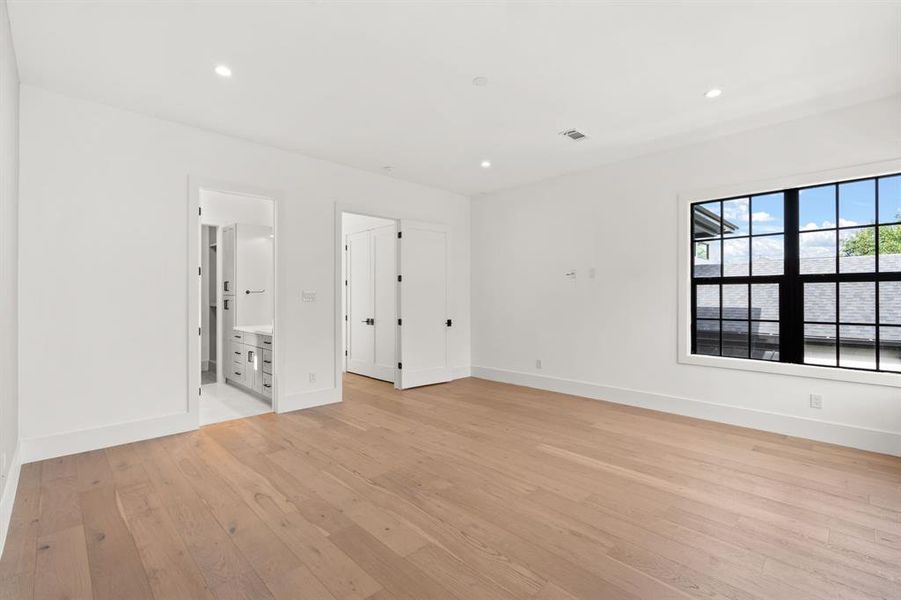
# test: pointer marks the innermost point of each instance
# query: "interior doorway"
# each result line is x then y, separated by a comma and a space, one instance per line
236, 305
395, 299
370, 296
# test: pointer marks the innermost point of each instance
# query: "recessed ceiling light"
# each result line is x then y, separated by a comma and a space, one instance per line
486, 164
223, 71
713, 93
480, 81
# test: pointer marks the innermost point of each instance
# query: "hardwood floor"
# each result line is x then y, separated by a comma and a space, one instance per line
471, 490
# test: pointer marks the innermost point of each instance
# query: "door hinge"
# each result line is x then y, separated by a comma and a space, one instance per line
345, 246
449, 323
345, 282
400, 321
199, 271
345, 317
200, 391
199, 331
399, 235
345, 353
400, 278
400, 365
199, 210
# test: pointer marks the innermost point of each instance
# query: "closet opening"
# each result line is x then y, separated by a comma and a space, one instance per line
369, 297
236, 279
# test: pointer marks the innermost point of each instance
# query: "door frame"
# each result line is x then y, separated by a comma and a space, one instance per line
195, 186
340, 309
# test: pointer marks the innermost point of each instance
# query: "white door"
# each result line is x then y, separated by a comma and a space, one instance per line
424, 251
360, 334
384, 295
371, 305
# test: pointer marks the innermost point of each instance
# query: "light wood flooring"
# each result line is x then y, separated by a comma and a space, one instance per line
471, 490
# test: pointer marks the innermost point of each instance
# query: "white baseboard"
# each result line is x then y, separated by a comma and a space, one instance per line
461, 372
875, 440
72, 442
8, 495
312, 399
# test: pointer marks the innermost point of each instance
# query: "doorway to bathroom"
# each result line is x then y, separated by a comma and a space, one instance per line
236, 304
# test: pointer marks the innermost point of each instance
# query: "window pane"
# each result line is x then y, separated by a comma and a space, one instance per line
764, 340
858, 347
707, 337
735, 301
765, 301
890, 248
857, 302
816, 208
817, 252
819, 302
708, 301
736, 217
890, 302
735, 257
707, 220
890, 199
857, 203
707, 259
857, 250
768, 214
819, 344
735, 339
890, 349
767, 255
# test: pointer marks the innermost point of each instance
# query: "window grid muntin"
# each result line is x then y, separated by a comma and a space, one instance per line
791, 203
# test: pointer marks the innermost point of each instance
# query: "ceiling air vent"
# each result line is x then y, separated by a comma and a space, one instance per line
574, 134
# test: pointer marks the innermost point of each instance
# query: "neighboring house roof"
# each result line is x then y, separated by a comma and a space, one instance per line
857, 302
707, 223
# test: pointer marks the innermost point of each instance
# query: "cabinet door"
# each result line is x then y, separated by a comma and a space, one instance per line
228, 260
254, 378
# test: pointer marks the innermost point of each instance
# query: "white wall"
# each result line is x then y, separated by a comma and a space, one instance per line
9, 261
615, 336
103, 255
226, 209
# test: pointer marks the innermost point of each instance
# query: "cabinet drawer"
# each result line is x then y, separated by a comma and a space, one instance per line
265, 342
237, 336
237, 353
267, 385
267, 361
251, 339
237, 373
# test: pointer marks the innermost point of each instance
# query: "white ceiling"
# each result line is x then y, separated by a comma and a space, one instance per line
370, 84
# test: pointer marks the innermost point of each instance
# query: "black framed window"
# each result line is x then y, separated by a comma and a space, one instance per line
808, 275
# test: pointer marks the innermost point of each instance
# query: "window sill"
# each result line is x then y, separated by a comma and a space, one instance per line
809, 371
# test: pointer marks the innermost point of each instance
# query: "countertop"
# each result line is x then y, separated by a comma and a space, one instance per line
257, 329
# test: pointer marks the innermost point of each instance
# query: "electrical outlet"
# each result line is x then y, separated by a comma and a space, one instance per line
312, 377
816, 401
538, 364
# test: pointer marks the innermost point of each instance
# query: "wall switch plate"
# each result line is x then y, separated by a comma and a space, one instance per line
816, 401
308, 296
538, 364
312, 377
